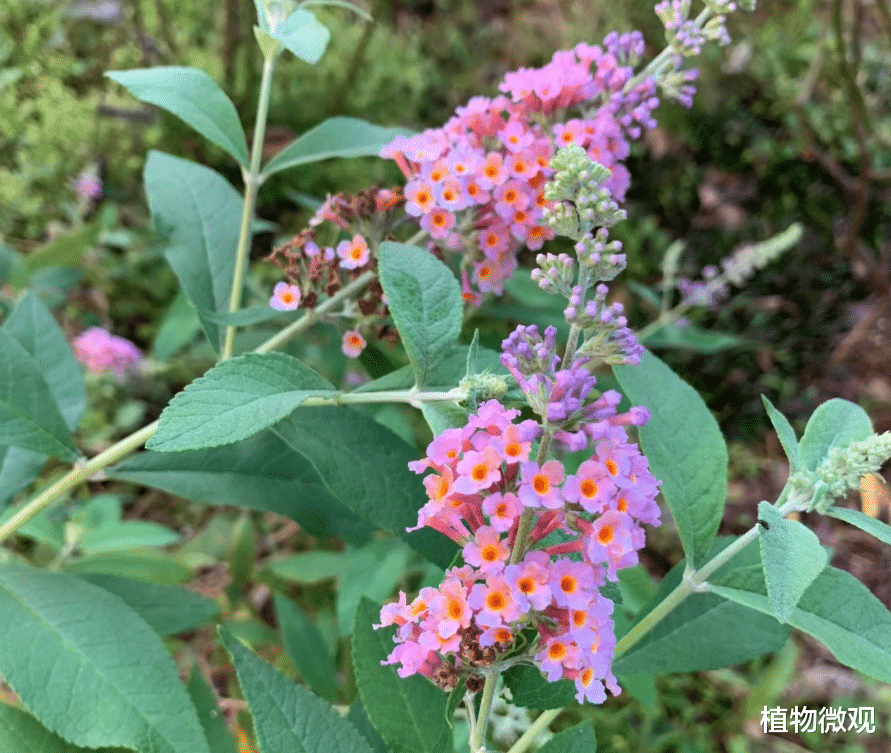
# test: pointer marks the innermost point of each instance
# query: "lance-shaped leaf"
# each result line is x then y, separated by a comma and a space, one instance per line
288, 718
693, 636
365, 467
213, 722
784, 431
260, 473
837, 610
235, 400
192, 96
335, 137
29, 415
835, 423
18, 468
425, 300
792, 556
876, 528
307, 648
102, 681
685, 449
578, 739
303, 35
409, 713
22, 733
32, 324
198, 212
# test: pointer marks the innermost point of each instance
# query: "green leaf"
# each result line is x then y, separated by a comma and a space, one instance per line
685, 449
873, 527
122, 535
792, 556
178, 327
371, 572
29, 415
335, 137
578, 739
32, 324
692, 338
288, 718
141, 564
167, 609
443, 415
456, 698
105, 680
425, 300
309, 567
835, 423
66, 250
785, 432
339, 4
209, 714
245, 317
530, 689
360, 719
18, 468
198, 212
361, 464
192, 96
307, 648
408, 712
303, 35
260, 473
235, 400
694, 635
837, 610
22, 733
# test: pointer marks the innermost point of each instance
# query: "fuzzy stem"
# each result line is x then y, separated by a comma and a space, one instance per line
251, 186
542, 722
478, 739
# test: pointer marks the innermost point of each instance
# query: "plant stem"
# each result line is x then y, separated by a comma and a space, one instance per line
313, 315
75, 476
478, 739
251, 186
542, 722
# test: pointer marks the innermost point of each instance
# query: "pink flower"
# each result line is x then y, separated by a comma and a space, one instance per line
528, 581
285, 297
540, 484
479, 470
354, 253
558, 654
449, 609
353, 343
592, 487
493, 602
612, 540
487, 551
418, 197
99, 351
502, 509
572, 583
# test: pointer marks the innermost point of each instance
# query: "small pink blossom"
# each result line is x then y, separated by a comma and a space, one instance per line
353, 343
285, 297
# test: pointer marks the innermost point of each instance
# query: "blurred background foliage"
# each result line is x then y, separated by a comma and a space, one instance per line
790, 123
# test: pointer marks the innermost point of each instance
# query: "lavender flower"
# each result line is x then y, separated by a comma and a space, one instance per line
99, 351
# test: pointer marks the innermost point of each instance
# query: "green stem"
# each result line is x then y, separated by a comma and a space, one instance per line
478, 739
542, 722
412, 397
251, 186
525, 524
75, 476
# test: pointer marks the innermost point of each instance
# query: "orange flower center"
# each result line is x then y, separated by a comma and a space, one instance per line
568, 584
455, 609
503, 635
495, 602
489, 553
588, 488
556, 651
578, 618
439, 219
501, 510
586, 676
356, 253
479, 472
605, 535
510, 196
541, 484
526, 585
513, 450
622, 504
418, 608
612, 467
287, 297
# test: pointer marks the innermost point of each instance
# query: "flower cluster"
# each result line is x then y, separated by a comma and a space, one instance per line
477, 183
580, 528
99, 351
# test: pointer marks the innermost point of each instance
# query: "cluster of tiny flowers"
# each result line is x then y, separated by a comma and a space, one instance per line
483, 482
844, 467
99, 351
477, 183
88, 186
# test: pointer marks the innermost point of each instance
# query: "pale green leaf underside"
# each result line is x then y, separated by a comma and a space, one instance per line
876, 528
784, 431
835, 423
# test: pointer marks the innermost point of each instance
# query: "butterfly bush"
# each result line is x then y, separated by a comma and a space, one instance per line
100, 351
